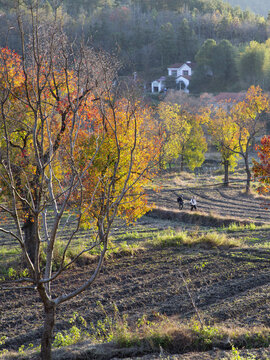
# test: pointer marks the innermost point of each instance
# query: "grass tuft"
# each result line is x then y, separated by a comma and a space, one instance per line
240, 227
207, 240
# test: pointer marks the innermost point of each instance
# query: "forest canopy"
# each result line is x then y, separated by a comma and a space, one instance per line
148, 36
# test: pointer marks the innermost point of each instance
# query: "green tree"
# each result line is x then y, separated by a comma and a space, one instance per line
224, 65
196, 146
216, 67
186, 41
184, 138
203, 72
167, 44
252, 63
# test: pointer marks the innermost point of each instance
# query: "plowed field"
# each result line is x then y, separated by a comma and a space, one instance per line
230, 287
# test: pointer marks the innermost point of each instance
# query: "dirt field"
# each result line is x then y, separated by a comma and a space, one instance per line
230, 287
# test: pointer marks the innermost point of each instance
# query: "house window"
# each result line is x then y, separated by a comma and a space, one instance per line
174, 72
155, 89
185, 72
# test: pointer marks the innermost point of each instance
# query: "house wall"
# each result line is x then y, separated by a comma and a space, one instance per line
157, 85
180, 71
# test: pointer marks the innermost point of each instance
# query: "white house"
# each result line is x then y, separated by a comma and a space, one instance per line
158, 85
181, 72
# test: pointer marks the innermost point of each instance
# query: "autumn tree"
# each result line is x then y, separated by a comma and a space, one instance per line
243, 121
248, 116
225, 137
261, 168
184, 137
68, 144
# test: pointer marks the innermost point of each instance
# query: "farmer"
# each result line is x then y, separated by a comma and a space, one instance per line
193, 203
180, 202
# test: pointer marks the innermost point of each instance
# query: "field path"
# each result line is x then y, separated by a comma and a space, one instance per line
230, 202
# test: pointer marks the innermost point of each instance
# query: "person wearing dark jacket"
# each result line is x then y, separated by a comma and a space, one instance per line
180, 201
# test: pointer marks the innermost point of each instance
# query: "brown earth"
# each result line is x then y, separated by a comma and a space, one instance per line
230, 287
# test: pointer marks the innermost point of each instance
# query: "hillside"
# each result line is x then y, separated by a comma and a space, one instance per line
261, 7
148, 36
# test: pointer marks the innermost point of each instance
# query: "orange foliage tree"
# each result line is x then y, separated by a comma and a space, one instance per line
261, 168
67, 145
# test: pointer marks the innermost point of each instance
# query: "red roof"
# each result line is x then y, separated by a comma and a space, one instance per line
178, 65
175, 66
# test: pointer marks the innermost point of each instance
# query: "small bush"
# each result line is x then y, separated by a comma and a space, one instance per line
205, 336
240, 227
74, 334
150, 334
214, 239
172, 336
209, 240
237, 356
124, 249
170, 238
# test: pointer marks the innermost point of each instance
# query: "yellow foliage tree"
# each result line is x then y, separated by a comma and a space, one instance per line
235, 126
248, 117
184, 136
225, 136
68, 144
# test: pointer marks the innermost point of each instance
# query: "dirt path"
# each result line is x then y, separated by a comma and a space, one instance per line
231, 202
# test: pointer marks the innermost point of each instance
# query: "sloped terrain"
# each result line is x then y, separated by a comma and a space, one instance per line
229, 286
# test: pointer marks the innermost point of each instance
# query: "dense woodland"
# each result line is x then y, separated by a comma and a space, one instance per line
228, 44
258, 6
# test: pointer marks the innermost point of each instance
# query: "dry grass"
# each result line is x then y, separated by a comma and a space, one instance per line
147, 337
176, 337
183, 178
199, 217
207, 240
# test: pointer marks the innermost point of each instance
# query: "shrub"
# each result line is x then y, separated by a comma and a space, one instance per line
210, 239
73, 335
239, 227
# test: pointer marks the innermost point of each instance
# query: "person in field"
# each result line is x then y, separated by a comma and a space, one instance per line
193, 203
180, 201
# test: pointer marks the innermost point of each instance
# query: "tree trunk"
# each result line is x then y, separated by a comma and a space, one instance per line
182, 163
29, 237
248, 175
226, 173
47, 335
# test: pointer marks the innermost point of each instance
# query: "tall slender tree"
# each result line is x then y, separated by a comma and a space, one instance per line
67, 144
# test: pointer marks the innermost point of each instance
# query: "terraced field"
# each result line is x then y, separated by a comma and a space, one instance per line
213, 198
231, 287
